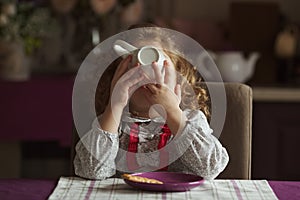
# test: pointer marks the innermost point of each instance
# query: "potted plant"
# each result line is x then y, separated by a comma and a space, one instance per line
23, 25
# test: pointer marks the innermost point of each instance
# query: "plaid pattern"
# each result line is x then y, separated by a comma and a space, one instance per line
113, 189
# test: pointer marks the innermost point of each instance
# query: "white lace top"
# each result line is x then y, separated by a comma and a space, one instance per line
100, 154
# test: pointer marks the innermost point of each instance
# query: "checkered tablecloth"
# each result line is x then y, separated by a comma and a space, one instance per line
72, 188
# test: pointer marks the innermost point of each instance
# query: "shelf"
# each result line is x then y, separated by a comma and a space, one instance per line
276, 94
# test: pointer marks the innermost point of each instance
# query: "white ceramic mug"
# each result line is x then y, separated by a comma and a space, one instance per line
145, 56
148, 54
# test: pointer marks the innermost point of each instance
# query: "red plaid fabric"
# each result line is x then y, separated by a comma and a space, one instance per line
133, 147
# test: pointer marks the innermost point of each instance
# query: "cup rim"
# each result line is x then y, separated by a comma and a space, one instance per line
149, 47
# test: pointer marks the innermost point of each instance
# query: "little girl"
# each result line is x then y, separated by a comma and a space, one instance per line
165, 126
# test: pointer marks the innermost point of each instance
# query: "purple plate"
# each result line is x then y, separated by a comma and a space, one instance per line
172, 181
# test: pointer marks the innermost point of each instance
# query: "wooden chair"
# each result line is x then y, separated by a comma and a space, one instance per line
236, 135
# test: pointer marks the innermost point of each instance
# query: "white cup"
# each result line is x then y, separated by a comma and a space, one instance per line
146, 56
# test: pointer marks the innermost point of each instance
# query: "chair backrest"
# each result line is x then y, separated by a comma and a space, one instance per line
236, 135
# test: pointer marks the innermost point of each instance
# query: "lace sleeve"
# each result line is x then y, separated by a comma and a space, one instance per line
96, 153
205, 155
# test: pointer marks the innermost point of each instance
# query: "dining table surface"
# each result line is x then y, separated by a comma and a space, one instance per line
38, 189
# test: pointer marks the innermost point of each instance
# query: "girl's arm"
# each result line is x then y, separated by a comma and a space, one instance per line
122, 84
97, 150
200, 152
111, 118
205, 155
96, 153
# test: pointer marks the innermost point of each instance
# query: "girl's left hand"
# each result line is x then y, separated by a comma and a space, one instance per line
166, 91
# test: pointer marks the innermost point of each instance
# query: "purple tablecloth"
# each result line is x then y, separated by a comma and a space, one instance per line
24, 189
39, 109
21, 189
289, 190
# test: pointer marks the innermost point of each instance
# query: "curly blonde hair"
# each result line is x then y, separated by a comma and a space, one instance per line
194, 91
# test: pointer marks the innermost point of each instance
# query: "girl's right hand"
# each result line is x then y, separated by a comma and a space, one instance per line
124, 83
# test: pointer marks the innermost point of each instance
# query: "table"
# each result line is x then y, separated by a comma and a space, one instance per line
26, 189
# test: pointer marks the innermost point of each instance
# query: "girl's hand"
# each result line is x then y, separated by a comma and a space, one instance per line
124, 83
165, 92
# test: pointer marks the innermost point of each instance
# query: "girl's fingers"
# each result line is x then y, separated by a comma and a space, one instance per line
167, 72
123, 66
170, 75
132, 73
157, 73
133, 79
133, 84
147, 79
152, 88
178, 91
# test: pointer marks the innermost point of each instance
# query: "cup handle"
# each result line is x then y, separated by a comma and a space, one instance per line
123, 48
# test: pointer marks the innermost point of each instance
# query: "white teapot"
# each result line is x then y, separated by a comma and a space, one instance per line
234, 67
145, 55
